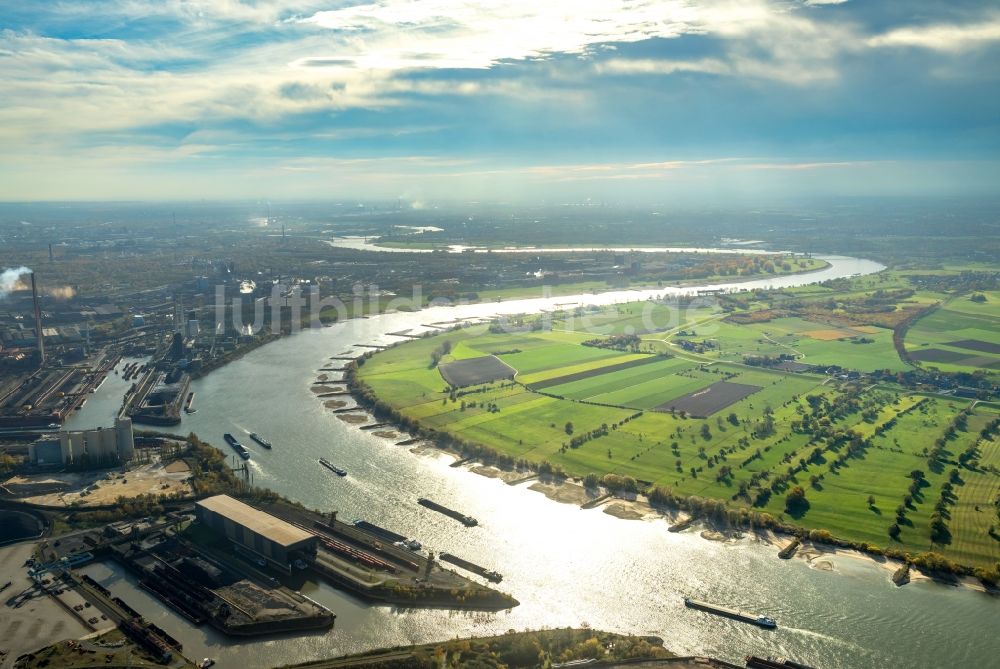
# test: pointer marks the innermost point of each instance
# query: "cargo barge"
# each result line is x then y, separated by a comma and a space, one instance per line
388, 535
754, 662
742, 616
332, 467
260, 440
468, 521
489, 575
237, 446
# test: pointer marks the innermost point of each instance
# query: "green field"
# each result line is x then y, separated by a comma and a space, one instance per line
841, 441
862, 350
956, 320
635, 318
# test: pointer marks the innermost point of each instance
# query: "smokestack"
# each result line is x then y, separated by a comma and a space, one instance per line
50, 253
282, 232
38, 321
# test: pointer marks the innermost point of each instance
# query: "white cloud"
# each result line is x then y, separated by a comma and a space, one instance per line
758, 39
456, 34
84, 102
662, 66
609, 171
941, 37
351, 57
763, 38
791, 72
810, 166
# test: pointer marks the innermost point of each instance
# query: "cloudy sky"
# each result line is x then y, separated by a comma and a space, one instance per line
498, 99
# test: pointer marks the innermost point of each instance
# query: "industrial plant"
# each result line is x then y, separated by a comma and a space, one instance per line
100, 447
278, 543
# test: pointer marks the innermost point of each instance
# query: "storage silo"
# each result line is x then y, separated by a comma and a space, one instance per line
125, 439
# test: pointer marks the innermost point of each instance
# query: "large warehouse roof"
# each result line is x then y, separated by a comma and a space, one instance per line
264, 524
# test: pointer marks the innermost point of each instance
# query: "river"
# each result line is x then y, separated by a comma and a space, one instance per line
358, 243
567, 566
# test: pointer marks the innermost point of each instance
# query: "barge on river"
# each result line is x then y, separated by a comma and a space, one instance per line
237, 446
761, 621
468, 521
393, 537
260, 440
332, 467
488, 574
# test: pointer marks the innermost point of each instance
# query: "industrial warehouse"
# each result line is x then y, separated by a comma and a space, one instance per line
271, 539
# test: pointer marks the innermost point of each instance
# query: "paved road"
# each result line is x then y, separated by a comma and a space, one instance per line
38, 621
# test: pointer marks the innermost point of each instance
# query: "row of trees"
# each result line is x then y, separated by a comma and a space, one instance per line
443, 349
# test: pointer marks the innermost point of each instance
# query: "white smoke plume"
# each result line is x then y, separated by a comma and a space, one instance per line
10, 279
60, 292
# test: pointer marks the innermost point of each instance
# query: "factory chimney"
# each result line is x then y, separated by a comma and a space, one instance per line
38, 321
50, 253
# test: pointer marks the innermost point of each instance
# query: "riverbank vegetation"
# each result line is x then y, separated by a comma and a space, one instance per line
826, 439
513, 650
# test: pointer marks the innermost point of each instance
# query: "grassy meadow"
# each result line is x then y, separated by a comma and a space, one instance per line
958, 320
852, 446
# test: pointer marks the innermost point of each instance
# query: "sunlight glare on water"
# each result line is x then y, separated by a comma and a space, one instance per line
565, 565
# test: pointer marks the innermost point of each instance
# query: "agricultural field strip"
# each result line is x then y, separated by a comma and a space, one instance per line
587, 388
555, 356
670, 333
579, 367
626, 365
798, 354
709, 401
976, 345
652, 393
938, 355
946, 320
487, 344
470, 418
435, 407
475, 371
458, 421
933, 338
990, 454
971, 525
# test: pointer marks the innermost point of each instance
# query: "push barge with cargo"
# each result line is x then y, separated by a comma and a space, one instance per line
468, 521
332, 467
260, 440
761, 621
395, 538
489, 575
237, 446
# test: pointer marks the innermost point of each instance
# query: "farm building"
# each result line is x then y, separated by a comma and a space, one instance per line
267, 538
